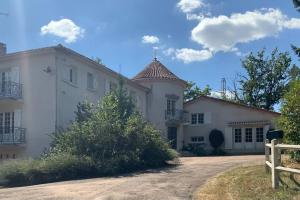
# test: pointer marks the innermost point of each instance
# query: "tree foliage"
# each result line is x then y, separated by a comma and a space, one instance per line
115, 137
289, 121
84, 111
266, 79
192, 91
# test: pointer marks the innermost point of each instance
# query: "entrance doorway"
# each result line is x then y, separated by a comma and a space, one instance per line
172, 136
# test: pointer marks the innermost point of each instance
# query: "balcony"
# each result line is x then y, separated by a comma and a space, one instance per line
176, 116
12, 135
10, 90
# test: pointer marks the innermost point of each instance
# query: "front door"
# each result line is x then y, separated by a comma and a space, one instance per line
172, 136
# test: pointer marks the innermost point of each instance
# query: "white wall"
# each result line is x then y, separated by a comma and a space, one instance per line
157, 104
70, 94
38, 103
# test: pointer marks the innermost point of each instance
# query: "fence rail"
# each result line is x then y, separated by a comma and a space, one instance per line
275, 163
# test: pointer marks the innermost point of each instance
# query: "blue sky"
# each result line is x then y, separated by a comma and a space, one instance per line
199, 40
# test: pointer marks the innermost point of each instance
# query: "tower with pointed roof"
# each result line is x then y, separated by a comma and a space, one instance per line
164, 101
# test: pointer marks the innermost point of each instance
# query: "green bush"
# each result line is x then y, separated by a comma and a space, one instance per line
53, 168
196, 149
216, 138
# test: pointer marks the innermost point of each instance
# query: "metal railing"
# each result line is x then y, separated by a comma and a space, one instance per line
275, 163
10, 135
10, 89
181, 116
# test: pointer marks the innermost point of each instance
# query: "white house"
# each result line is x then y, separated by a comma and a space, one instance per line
40, 88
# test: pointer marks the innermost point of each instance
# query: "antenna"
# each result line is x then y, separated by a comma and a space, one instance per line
223, 87
155, 53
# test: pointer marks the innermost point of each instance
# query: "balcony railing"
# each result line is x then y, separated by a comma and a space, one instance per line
10, 90
10, 135
180, 116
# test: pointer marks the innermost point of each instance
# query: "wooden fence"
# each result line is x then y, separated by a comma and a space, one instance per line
275, 163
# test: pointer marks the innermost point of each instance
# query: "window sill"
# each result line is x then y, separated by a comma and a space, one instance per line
91, 89
197, 124
71, 84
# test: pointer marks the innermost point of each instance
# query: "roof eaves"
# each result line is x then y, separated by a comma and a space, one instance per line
230, 102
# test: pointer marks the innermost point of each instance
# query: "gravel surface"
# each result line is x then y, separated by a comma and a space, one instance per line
171, 183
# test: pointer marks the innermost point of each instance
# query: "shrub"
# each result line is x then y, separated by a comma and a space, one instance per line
289, 120
216, 138
53, 168
196, 149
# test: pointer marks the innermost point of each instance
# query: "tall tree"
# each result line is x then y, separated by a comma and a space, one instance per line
192, 91
295, 70
266, 79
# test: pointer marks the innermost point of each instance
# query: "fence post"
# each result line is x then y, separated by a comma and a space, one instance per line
267, 155
274, 161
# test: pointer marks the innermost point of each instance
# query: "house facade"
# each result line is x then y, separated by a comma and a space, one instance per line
40, 88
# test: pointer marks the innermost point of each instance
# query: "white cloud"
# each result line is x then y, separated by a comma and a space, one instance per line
191, 55
222, 33
188, 6
64, 28
218, 94
169, 51
150, 39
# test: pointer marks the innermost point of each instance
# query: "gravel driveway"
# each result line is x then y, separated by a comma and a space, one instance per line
172, 183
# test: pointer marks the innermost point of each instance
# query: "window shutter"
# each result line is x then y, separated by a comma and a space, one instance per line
107, 86
95, 82
207, 118
17, 119
15, 74
228, 138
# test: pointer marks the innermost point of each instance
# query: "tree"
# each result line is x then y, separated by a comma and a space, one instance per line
84, 111
297, 4
266, 79
295, 71
115, 137
192, 91
289, 121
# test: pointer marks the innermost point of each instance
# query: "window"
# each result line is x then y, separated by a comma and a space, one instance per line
200, 118
197, 139
90, 81
72, 75
112, 86
248, 134
237, 135
194, 119
7, 122
171, 106
197, 118
259, 134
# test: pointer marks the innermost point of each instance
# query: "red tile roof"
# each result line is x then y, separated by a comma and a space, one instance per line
156, 70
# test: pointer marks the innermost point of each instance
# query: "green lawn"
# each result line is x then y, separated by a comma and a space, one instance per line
248, 183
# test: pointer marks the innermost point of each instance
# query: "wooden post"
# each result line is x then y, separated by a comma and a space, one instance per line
274, 162
279, 153
267, 155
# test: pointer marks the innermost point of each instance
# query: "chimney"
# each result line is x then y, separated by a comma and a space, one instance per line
2, 49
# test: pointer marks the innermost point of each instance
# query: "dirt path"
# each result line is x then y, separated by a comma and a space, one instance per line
173, 183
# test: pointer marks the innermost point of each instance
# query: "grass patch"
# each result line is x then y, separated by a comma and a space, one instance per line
248, 183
